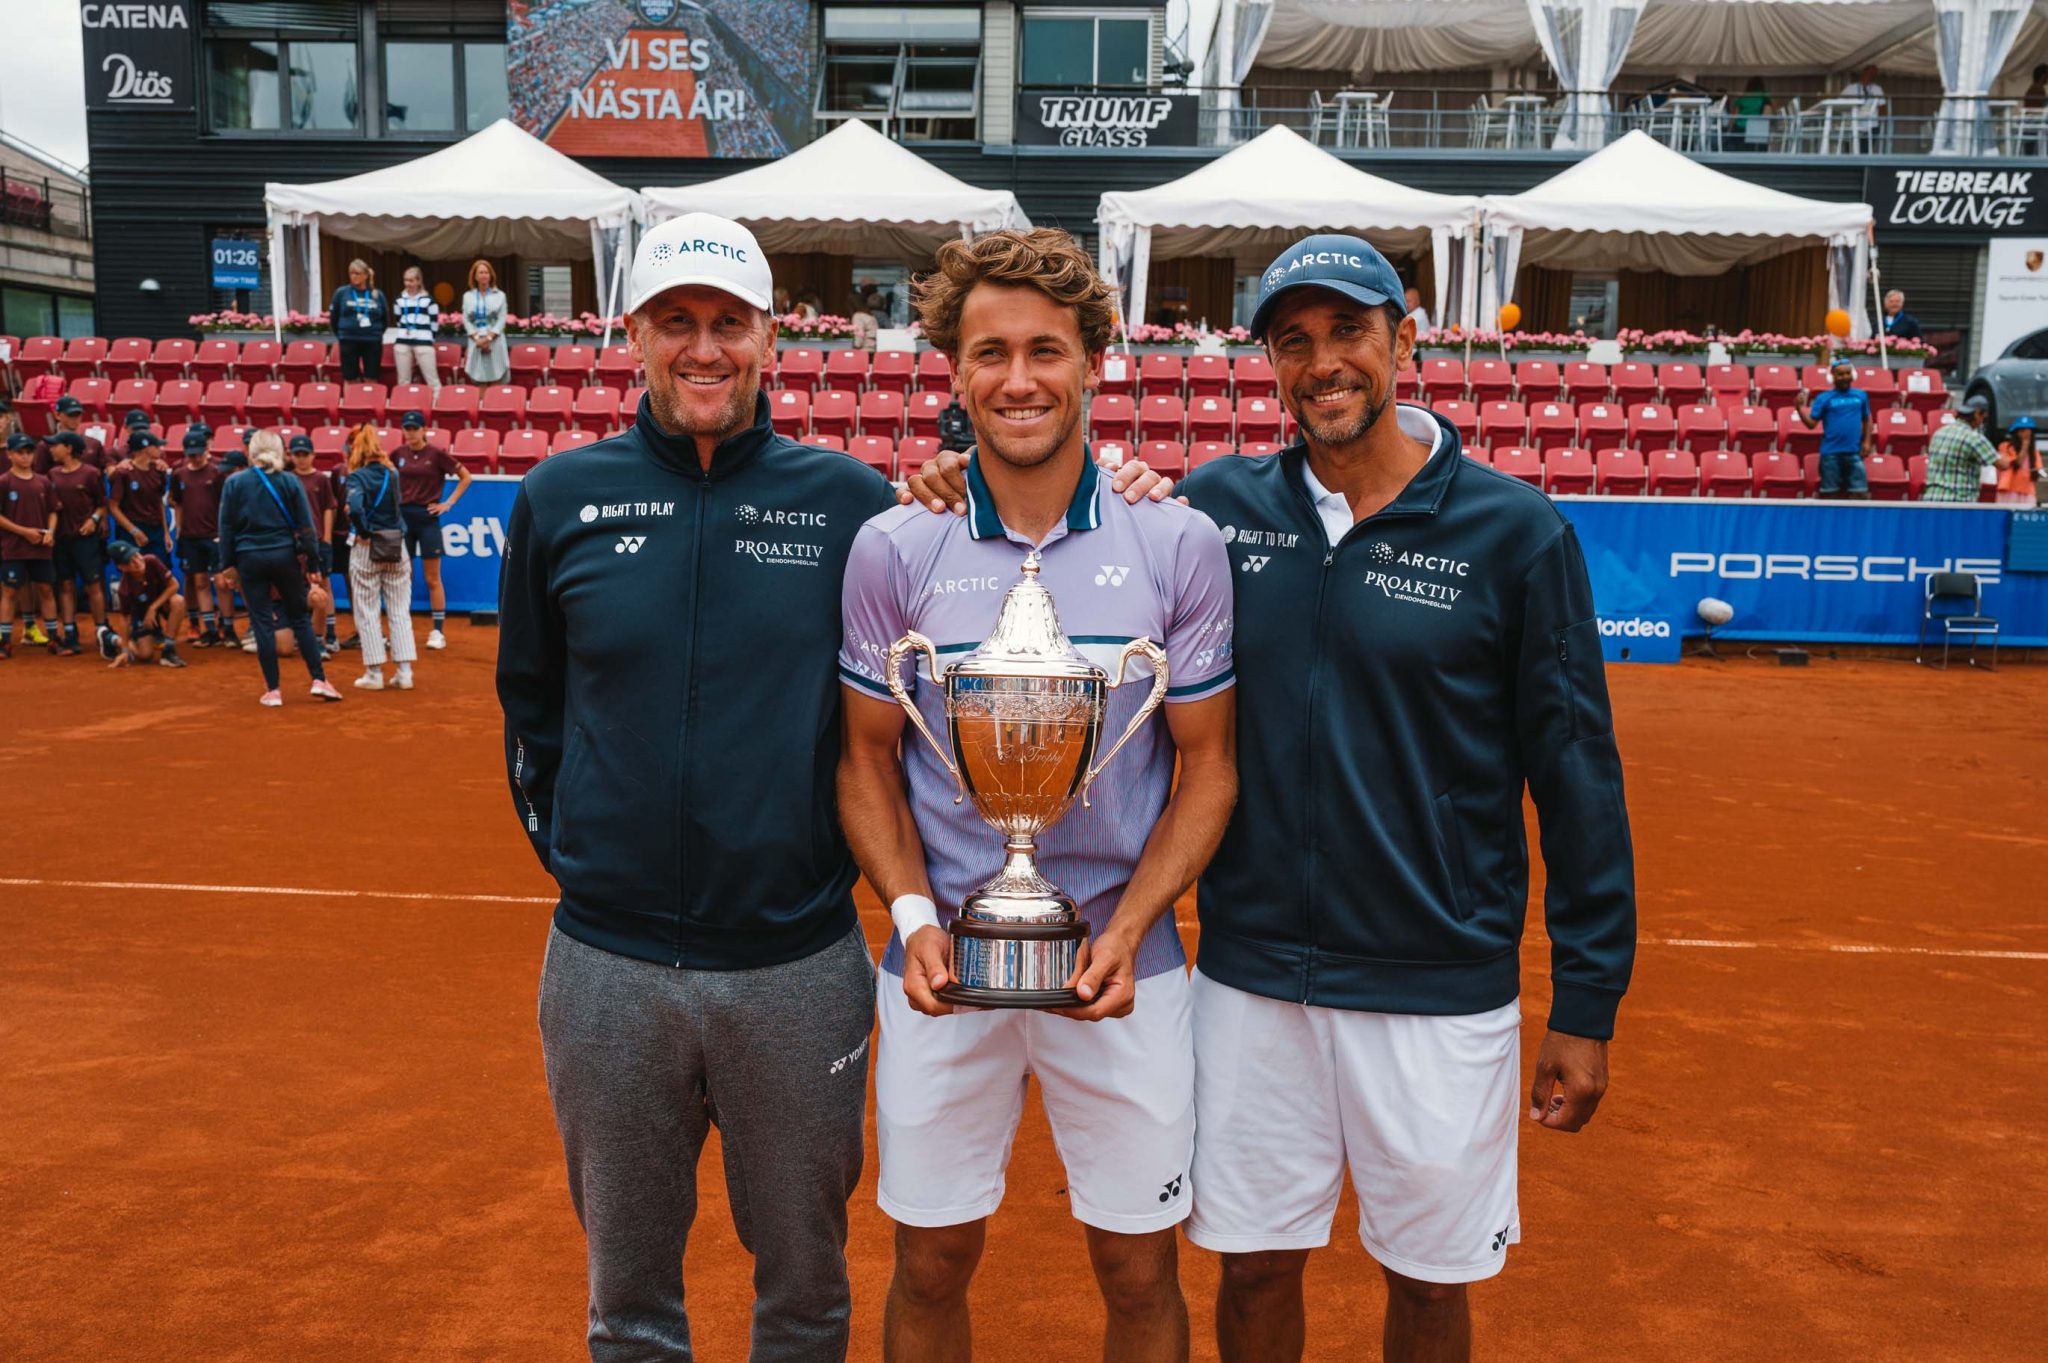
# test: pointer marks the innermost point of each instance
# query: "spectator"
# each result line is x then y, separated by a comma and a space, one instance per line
379, 569
864, 323
1958, 455
423, 472
1413, 298
1847, 428
782, 303
807, 306
1753, 110
483, 318
146, 597
1864, 122
28, 536
1898, 323
419, 316
2019, 465
266, 534
81, 547
359, 312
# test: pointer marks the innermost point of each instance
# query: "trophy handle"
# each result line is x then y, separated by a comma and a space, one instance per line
1157, 656
913, 642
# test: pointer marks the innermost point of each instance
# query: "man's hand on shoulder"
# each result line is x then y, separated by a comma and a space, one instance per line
1571, 1077
941, 484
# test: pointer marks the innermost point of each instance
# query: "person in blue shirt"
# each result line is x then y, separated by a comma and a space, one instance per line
1846, 430
359, 312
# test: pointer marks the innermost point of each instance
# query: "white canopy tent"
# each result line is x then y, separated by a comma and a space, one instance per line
1638, 205
500, 191
1258, 199
852, 190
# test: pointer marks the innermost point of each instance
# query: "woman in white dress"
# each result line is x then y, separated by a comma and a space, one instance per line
483, 318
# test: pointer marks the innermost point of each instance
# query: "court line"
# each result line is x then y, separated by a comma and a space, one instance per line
426, 896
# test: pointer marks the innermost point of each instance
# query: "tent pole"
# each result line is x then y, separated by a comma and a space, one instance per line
1884, 346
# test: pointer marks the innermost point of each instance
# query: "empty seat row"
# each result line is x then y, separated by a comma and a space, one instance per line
1247, 420
1645, 425
1676, 382
501, 407
1623, 471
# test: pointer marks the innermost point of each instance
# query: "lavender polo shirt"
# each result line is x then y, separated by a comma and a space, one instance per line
1117, 572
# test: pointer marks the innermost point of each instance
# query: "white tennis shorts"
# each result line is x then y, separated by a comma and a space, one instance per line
1423, 1110
1119, 1094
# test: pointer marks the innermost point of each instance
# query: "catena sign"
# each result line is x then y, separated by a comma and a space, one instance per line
138, 54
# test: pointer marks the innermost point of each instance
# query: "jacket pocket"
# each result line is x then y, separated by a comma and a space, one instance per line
565, 791
609, 793
1582, 679
1450, 842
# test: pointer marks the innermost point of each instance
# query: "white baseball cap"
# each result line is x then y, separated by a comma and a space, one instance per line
700, 248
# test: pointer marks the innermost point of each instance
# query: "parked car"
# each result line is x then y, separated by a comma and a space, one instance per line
2016, 383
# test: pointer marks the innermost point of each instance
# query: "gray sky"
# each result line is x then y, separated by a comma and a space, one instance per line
42, 76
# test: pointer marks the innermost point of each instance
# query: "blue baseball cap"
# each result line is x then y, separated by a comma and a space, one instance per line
2025, 423
69, 406
413, 418
1343, 264
300, 444
195, 441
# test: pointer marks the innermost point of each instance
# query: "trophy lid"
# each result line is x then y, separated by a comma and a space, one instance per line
1027, 640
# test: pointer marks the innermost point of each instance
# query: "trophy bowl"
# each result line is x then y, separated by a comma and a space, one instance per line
1024, 716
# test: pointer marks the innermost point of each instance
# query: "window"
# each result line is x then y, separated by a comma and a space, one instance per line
1596, 299
916, 69
283, 65
242, 83
485, 98
1070, 48
551, 288
26, 312
427, 84
324, 95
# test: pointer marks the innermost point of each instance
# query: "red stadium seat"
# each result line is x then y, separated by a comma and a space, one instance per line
1878, 384
38, 355
1119, 376
1730, 384
570, 366
362, 402
93, 393
833, 412
1110, 454
1701, 426
1490, 380
1900, 431
616, 368
269, 403
1816, 378
127, 358
1520, 461
881, 414
1602, 425
1538, 381
595, 408
1775, 384
1674, 473
447, 359
1440, 379
1464, 416
629, 405
1259, 421
178, 400
1162, 416
1724, 473
233, 436
1112, 416
1169, 457
1251, 376
547, 409
912, 452
529, 362
1552, 424
1795, 435
401, 398
565, 440
1210, 417
1585, 381
454, 407
801, 368
1255, 449
1568, 472
316, 403
1889, 481
330, 443
1478, 454
225, 402
1634, 382
259, 360
1208, 377
502, 407
304, 362
1923, 390
846, 370
215, 360
476, 449
1651, 426
894, 370
1160, 375
390, 437
1809, 466
826, 442
789, 411
1751, 429
169, 357
1202, 451
878, 452
922, 411
1681, 383
1776, 473
1502, 423
82, 356
132, 393
519, 451
1916, 477
934, 371
1621, 473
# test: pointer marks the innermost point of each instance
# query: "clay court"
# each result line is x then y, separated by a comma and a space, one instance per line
274, 1084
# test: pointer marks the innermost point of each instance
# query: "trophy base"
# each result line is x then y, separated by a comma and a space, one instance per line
1013, 964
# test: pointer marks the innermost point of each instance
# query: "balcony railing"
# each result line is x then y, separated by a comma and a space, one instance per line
43, 205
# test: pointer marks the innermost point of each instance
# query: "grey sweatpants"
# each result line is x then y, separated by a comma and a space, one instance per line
641, 1058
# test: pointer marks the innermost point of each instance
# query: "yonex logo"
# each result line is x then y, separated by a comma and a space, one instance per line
629, 544
1381, 552
1500, 1239
1254, 563
587, 514
1171, 1187
747, 513
1112, 575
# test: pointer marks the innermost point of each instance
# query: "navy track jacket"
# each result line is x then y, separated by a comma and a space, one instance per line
1395, 693
668, 667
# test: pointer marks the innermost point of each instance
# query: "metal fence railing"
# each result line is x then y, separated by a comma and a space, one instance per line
44, 205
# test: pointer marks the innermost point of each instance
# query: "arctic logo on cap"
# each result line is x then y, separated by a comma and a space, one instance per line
664, 251
1275, 275
1321, 258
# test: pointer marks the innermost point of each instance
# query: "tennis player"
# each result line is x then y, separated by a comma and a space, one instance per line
1025, 318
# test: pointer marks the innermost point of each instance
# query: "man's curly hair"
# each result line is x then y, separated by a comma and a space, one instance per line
1044, 258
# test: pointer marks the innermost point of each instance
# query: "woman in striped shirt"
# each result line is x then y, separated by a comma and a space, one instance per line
418, 317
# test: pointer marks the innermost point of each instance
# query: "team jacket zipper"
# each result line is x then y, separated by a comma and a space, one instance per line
519, 780
689, 715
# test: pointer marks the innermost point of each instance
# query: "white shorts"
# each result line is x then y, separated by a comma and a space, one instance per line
1422, 1109
1119, 1094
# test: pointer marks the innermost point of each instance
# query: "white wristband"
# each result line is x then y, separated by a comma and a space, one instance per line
910, 912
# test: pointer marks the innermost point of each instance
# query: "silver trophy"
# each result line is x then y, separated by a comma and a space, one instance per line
1024, 712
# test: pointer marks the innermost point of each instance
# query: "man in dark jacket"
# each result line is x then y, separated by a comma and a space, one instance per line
667, 666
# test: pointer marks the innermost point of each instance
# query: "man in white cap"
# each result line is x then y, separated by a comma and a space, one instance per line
668, 670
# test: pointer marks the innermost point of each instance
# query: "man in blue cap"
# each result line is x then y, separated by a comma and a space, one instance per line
1416, 643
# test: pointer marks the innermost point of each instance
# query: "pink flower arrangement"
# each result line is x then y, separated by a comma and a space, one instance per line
302, 323
1184, 333
1451, 338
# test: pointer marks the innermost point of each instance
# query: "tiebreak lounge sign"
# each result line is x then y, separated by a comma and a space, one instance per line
1998, 203
138, 54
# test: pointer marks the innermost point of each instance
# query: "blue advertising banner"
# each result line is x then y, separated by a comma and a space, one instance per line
1822, 572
